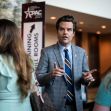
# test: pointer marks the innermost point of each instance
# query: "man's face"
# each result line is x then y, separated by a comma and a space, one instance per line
65, 33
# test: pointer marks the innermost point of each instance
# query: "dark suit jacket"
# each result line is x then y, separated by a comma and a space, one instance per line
56, 87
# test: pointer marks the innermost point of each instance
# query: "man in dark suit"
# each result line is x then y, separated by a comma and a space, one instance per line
51, 70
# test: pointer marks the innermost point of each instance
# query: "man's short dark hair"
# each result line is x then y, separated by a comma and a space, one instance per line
66, 18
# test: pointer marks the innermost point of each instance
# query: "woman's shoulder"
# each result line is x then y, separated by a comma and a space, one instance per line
107, 80
6, 65
6, 58
103, 96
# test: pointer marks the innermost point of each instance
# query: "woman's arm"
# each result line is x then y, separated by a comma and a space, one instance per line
98, 107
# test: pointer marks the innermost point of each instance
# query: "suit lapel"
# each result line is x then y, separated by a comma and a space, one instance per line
58, 55
59, 59
74, 59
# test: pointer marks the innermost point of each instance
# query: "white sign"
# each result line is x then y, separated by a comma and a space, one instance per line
32, 39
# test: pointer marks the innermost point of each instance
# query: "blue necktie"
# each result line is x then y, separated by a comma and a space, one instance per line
70, 91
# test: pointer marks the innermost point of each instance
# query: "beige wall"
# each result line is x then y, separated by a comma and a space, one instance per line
105, 53
85, 42
50, 35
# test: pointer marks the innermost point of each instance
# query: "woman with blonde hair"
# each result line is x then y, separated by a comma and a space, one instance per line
15, 69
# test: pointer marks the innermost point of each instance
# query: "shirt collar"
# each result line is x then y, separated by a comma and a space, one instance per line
62, 47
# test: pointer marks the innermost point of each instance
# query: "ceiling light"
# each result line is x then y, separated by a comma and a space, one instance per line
80, 30
81, 22
53, 18
103, 26
98, 32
